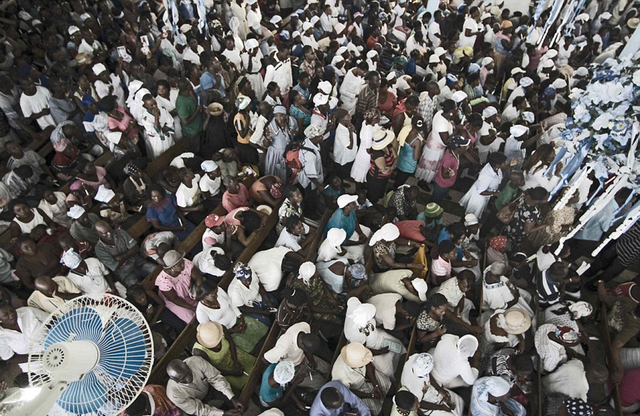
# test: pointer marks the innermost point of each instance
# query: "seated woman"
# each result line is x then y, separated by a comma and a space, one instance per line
360, 326
247, 223
455, 290
93, 176
236, 195
17, 327
341, 277
568, 314
497, 250
272, 265
345, 218
278, 385
292, 205
36, 260
326, 308
332, 192
402, 282
432, 397
441, 256
164, 215
65, 161
216, 232
331, 248
215, 344
383, 242
27, 219
90, 275
505, 329
177, 283
189, 197
554, 345
248, 295
296, 235
512, 366
267, 190
154, 309
500, 293
214, 305
213, 262
135, 187
452, 368
491, 396
431, 323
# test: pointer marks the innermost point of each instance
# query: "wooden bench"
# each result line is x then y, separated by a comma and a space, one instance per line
607, 346
274, 331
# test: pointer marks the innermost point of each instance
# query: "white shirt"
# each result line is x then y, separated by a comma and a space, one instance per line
233, 56
470, 24
33, 104
102, 89
187, 197
341, 153
204, 261
14, 342
93, 282
286, 347
241, 295
448, 364
227, 315
267, 265
291, 241
280, 72
150, 244
385, 304
350, 88
434, 29
210, 185
311, 165
211, 238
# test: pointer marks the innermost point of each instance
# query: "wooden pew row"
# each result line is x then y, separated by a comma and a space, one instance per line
607, 346
274, 332
103, 160
186, 338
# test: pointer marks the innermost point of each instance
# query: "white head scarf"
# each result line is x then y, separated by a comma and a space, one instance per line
71, 259
422, 365
467, 345
581, 309
306, 272
388, 232
497, 386
361, 313
284, 372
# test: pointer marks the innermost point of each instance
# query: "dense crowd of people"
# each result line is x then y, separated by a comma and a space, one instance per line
375, 183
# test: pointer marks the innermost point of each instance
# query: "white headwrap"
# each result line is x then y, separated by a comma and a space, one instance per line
388, 232
75, 212
306, 272
497, 386
284, 372
420, 285
71, 259
422, 365
581, 309
467, 345
361, 313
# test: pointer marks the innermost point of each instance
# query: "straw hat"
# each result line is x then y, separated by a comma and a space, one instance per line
209, 334
382, 138
356, 355
516, 321
215, 109
171, 258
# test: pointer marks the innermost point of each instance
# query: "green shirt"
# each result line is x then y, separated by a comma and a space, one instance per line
185, 106
506, 196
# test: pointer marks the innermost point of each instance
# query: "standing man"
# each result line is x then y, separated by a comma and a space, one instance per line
280, 72
190, 114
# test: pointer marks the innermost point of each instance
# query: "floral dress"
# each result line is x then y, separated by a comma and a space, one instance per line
379, 250
514, 231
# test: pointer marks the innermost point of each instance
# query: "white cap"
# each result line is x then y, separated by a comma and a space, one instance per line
548, 63
98, 69
325, 87
581, 72
314, 20
440, 51
209, 166
528, 116
346, 199
470, 219
320, 99
433, 59
306, 26
295, 34
185, 28
559, 84
73, 29
459, 96
526, 82
517, 70
339, 27
489, 112
251, 44
372, 54
518, 130
276, 19
75, 212
485, 16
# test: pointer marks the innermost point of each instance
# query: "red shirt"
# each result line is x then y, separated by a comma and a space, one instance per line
449, 160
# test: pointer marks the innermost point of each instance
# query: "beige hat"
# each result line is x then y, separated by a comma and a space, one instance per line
633, 22
171, 258
356, 355
215, 109
382, 138
209, 334
516, 321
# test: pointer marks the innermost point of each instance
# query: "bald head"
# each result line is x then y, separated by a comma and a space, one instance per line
45, 285
179, 372
104, 230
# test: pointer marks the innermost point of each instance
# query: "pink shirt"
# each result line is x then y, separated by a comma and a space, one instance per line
232, 201
448, 161
181, 285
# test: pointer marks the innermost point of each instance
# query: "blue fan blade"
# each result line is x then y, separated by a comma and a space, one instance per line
84, 396
122, 348
84, 322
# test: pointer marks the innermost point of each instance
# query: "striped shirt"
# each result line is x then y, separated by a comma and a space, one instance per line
628, 246
548, 289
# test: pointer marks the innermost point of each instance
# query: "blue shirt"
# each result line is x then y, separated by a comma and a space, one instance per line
267, 393
351, 401
339, 220
444, 235
208, 81
599, 224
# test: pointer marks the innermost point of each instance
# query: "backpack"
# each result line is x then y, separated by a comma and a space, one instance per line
292, 160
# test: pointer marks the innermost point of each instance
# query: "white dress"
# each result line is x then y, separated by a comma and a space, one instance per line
434, 148
488, 180
342, 155
362, 162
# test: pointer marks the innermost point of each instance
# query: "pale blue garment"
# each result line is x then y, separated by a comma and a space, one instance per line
335, 281
599, 224
480, 405
406, 162
274, 163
